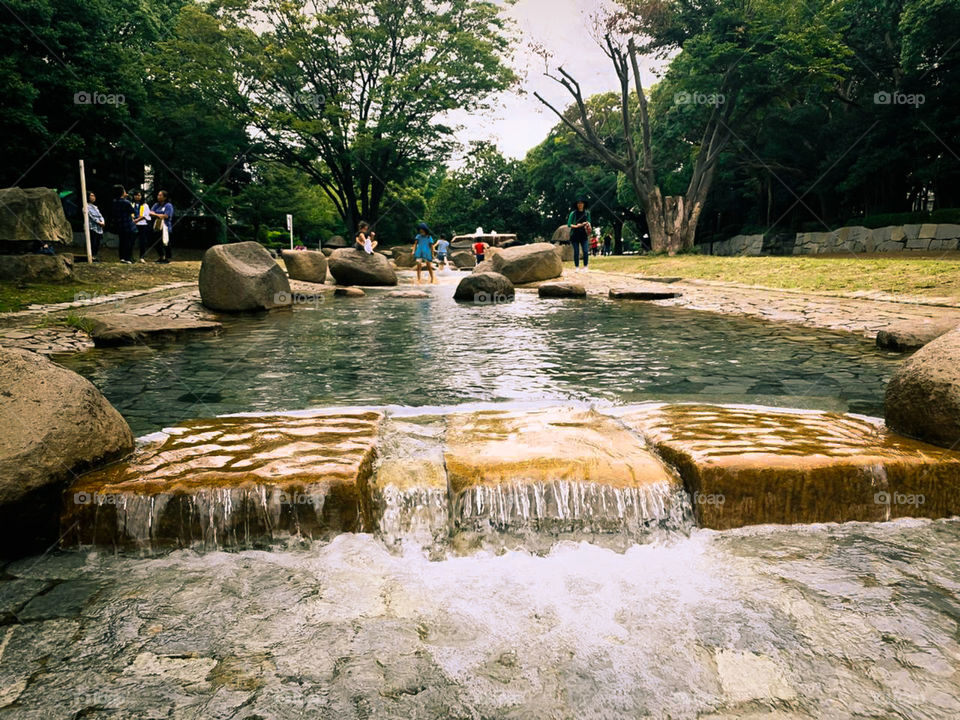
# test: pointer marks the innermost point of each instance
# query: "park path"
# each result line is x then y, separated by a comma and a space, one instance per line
40, 328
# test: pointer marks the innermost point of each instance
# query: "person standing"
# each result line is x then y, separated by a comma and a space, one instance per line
480, 249
442, 248
97, 224
594, 244
579, 223
162, 213
123, 215
423, 251
607, 244
142, 222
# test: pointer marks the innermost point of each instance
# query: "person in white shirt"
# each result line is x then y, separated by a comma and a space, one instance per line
142, 221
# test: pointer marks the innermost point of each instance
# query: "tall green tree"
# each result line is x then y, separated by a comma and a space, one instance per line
350, 92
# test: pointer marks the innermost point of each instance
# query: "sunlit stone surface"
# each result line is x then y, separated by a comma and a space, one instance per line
232, 480
560, 469
745, 466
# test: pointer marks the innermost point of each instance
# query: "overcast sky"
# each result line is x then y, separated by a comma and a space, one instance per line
564, 27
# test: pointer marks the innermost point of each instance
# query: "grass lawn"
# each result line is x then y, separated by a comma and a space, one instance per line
101, 279
933, 275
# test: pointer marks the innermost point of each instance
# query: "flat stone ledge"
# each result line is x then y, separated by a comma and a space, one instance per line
748, 466
126, 329
651, 293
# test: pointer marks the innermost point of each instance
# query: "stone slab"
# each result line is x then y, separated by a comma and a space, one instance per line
558, 468
129, 329
650, 293
748, 466
232, 481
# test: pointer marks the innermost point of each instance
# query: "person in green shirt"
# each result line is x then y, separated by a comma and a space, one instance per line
579, 223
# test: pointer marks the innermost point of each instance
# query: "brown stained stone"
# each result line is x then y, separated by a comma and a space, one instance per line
232, 480
552, 465
749, 466
349, 292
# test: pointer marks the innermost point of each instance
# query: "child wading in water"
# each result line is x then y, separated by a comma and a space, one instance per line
423, 251
365, 239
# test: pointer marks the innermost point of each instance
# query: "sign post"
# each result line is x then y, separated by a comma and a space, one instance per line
290, 228
86, 215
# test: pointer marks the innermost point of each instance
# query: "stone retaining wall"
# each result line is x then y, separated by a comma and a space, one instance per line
854, 239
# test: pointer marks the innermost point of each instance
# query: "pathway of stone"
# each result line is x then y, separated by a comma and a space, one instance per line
36, 329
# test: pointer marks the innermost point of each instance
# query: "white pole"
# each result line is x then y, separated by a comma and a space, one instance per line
86, 215
290, 228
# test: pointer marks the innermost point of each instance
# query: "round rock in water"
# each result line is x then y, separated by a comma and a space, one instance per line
349, 292
56, 424
923, 396
529, 263
306, 265
911, 334
485, 289
355, 267
242, 276
562, 290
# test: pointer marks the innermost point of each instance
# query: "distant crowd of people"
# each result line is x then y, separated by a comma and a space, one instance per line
426, 250
135, 223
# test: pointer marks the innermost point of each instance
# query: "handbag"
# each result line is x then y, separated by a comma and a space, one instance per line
158, 224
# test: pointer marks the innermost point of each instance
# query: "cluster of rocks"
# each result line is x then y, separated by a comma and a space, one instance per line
853, 239
33, 218
493, 280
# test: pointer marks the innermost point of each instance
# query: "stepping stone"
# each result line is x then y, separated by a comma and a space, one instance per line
559, 469
125, 329
349, 292
749, 466
656, 279
232, 481
906, 335
643, 294
562, 290
413, 294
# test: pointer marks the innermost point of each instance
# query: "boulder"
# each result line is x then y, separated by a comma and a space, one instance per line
923, 396
31, 217
403, 256
56, 424
349, 292
36, 268
485, 266
242, 276
355, 267
913, 334
463, 259
561, 235
561, 290
529, 263
337, 241
306, 265
327, 252
485, 289
126, 329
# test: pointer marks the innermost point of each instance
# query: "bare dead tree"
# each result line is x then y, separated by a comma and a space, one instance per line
672, 220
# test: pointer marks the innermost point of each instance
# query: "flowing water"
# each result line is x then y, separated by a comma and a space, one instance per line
851, 621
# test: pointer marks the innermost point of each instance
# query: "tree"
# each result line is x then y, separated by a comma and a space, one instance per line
489, 191
351, 93
733, 59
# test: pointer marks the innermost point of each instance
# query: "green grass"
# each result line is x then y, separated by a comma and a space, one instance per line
933, 275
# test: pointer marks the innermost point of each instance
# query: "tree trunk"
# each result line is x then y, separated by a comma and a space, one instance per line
617, 235
671, 221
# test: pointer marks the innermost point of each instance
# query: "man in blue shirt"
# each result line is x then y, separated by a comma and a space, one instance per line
162, 212
442, 247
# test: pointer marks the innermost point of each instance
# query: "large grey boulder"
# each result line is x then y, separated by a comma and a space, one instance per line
306, 265
561, 235
30, 217
907, 335
463, 258
923, 396
36, 268
355, 267
337, 241
56, 424
241, 277
403, 256
485, 289
529, 263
